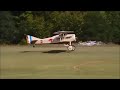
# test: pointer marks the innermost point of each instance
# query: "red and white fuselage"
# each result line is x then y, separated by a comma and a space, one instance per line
53, 39
61, 37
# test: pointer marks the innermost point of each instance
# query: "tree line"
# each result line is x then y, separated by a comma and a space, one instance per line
88, 25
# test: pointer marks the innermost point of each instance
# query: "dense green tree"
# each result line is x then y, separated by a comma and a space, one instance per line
88, 25
113, 20
8, 29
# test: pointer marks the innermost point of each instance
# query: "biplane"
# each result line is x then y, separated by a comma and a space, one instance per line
60, 37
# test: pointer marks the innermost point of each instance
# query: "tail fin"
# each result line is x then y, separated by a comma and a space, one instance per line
31, 39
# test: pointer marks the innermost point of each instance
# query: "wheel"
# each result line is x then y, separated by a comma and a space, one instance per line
71, 48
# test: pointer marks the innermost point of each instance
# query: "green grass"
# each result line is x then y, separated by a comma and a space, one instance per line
53, 62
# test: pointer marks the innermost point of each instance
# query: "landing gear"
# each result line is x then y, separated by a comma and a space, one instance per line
71, 47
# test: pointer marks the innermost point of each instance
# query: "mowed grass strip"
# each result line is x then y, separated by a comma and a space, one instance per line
55, 62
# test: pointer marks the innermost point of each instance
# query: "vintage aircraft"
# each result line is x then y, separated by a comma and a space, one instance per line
65, 37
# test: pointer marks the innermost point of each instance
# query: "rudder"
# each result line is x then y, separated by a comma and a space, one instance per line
29, 39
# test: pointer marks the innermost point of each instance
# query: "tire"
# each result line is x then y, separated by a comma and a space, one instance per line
71, 48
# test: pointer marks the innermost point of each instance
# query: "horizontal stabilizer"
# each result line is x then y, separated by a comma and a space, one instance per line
33, 42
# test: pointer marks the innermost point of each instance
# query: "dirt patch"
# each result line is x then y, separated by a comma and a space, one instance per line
77, 67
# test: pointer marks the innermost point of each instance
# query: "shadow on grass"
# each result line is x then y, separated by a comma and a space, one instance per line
51, 51
54, 51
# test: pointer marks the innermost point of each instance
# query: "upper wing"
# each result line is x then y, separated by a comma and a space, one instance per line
63, 32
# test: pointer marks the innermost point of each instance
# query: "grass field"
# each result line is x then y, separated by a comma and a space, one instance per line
54, 62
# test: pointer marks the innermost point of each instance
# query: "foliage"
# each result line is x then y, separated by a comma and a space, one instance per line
88, 25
